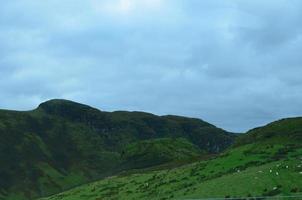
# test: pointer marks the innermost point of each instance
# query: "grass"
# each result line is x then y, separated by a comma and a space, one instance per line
148, 153
232, 174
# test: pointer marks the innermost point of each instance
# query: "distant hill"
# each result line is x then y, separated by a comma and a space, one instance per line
264, 162
62, 144
285, 130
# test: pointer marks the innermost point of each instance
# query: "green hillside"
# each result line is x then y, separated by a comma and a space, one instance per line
154, 152
62, 144
285, 130
266, 161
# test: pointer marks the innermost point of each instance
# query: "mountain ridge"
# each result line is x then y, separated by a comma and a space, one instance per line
62, 143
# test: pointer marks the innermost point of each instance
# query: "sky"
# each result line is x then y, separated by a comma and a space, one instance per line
234, 63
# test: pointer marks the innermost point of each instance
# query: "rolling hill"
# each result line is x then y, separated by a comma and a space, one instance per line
266, 161
63, 144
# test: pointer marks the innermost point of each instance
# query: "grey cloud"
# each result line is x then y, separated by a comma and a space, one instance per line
236, 64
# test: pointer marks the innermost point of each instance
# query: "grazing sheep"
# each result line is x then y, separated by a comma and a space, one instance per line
260, 171
277, 173
275, 188
270, 171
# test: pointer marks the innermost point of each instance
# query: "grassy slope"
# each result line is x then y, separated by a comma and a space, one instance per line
268, 165
229, 175
63, 144
148, 153
290, 129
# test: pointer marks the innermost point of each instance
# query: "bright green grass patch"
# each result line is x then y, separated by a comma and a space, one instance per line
233, 174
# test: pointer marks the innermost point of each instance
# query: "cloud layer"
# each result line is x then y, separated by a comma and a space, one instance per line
236, 64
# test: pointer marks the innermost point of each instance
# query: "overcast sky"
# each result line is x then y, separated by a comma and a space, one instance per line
234, 63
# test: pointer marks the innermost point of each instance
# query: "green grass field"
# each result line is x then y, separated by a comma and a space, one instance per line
262, 169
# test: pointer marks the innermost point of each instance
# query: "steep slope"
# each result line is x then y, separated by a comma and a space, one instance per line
62, 144
269, 164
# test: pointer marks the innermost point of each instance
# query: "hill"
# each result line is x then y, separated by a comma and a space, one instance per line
266, 161
62, 144
285, 130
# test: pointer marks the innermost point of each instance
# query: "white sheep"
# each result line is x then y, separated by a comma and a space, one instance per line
277, 173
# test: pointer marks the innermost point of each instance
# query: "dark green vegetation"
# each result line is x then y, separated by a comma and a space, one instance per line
154, 152
62, 144
285, 130
266, 161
